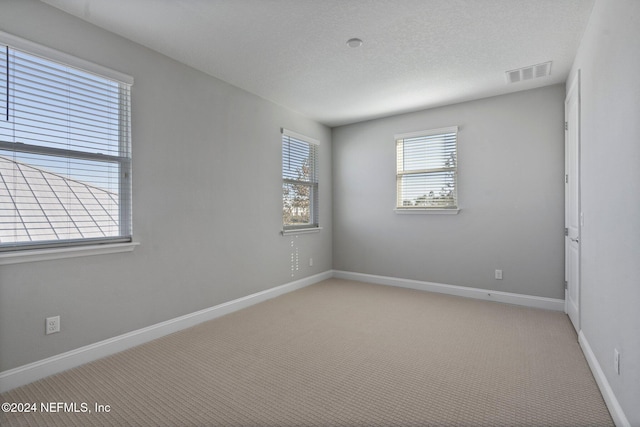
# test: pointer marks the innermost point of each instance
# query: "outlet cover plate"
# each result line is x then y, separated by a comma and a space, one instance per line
52, 325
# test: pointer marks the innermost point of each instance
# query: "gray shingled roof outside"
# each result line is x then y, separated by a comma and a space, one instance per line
45, 206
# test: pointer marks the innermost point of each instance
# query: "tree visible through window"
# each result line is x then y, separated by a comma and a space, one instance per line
299, 181
426, 174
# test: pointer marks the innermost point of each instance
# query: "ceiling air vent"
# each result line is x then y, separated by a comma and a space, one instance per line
529, 73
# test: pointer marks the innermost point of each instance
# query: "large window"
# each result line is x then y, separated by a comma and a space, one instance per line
426, 174
299, 181
65, 157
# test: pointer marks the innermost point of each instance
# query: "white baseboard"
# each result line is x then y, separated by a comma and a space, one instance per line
25, 374
483, 294
619, 418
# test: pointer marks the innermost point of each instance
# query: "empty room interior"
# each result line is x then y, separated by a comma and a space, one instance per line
340, 212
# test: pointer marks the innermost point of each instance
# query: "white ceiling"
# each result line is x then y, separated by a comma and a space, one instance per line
416, 53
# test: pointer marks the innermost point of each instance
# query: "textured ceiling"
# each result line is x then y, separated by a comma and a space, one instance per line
416, 53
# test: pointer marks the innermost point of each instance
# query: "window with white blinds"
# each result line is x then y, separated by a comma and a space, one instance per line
426, 174
299, 181
65, 151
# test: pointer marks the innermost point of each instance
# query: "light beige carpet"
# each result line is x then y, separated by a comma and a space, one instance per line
340, 353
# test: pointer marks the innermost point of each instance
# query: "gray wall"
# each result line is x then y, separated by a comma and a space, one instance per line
207, 202
609, 60
511, 194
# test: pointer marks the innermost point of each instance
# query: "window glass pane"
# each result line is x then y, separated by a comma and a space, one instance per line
433, 152
52, 105
297, 204
41, 201
428, 190
297, 160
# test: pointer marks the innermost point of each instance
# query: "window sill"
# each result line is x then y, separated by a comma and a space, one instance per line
301, 231
60, 253
428, 211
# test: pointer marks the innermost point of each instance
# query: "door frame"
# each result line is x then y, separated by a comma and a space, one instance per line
574, 94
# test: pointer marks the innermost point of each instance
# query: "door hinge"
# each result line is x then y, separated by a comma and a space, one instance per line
566, 178
566, 125
566, 231
566, 285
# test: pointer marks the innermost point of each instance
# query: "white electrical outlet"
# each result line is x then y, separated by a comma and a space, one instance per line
52, 325
616, 360
498, 274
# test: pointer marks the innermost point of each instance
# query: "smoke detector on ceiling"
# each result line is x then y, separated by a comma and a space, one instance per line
354, 42
529, 73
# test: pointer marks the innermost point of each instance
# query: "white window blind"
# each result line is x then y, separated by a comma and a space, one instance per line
299, 181
426, 176
65, 157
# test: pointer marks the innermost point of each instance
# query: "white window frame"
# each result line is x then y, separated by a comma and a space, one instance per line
55, 249
312, 183
402, 172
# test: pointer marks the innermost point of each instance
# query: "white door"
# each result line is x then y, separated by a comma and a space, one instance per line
572, 216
